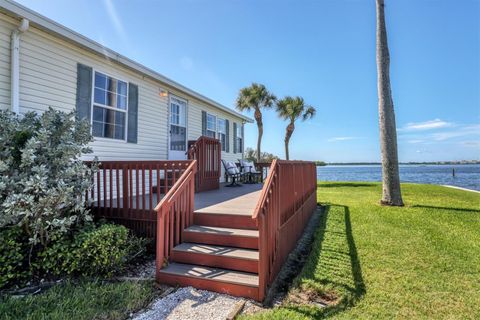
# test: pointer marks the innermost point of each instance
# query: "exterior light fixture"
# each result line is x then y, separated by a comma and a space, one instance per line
163, 93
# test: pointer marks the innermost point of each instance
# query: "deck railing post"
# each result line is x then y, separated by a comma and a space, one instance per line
125, 188
207, 152
160, 245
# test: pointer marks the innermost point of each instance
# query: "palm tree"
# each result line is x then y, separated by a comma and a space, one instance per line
292, 108
392, 194
255, 97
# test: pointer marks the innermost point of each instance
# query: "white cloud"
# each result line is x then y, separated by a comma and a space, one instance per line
342, 139
468, 130
416, 141
427, 125
474, 144
115, 19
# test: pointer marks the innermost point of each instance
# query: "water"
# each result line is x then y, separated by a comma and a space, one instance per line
466, 176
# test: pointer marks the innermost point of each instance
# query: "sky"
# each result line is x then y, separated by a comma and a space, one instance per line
321, 50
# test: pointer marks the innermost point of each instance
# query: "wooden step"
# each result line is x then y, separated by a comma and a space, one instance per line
216, 256
236, 283
241, 238
222, 220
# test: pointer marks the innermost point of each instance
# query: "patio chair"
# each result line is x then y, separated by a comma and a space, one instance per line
248, 167
232, 171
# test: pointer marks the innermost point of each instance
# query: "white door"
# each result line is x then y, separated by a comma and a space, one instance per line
177, 142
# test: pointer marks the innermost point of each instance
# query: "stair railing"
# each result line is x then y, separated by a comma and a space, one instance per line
286, 203
175, 213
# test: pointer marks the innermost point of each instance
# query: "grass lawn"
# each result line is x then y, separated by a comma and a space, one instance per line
87, 300
369, 261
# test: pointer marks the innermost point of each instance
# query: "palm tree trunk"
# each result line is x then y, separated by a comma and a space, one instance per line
288, 135
258, 119
287, 156
388, 135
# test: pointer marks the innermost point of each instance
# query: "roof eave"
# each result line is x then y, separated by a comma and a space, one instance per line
51, 26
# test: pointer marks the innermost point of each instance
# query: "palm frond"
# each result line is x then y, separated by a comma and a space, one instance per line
255, 96
291, 108
309, 113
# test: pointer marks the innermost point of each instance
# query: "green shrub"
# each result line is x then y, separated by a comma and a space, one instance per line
42, 177
93, 251
13, 256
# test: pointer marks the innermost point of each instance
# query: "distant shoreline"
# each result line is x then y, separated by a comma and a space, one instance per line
401, 163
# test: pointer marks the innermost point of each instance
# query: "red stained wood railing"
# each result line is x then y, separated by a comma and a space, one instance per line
207, 151
175, 213
286, 203
127, 192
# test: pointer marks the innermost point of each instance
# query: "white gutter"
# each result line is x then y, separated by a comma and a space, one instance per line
15, 66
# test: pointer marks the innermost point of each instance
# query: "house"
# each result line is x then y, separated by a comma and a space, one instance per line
158, 143
135, 112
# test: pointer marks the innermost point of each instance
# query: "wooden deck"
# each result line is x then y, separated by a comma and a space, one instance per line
236, 200
232, 239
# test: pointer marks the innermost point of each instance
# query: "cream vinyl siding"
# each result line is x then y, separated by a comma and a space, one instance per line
48, 77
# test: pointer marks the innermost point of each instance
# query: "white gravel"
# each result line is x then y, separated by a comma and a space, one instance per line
190, 303
144, 269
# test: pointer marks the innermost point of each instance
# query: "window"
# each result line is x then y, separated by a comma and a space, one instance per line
222, 132
109, 107
238, 136
211, 125
178, 130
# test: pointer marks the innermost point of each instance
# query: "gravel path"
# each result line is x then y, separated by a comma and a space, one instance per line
189, 303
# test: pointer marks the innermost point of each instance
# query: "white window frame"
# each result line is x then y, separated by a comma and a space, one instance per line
214, 122
170, 98
238, 135
224, 147
93, 103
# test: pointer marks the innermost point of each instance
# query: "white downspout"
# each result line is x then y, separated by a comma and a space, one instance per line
15, 65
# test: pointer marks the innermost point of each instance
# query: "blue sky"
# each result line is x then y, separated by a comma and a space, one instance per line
321, 50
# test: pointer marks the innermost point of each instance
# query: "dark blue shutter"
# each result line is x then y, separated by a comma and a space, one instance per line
204, 123
132, 126
227, 136
84, 92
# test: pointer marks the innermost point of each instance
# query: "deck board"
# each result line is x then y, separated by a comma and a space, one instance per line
236, 200
223, 231
218, 250
209, 273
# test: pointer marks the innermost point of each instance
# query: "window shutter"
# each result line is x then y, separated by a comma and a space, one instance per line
84, 92
243, 140
234, 137
204, 123
227, 136
132, 126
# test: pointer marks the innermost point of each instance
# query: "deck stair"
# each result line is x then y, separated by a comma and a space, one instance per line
218, 253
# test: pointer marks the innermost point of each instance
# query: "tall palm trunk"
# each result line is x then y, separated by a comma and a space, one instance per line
388, 135
288, 135
258, 119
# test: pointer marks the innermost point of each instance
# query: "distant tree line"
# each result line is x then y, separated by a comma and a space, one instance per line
251, 155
